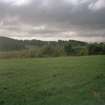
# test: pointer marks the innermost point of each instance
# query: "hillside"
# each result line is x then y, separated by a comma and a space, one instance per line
8, 44
38, 48
13, 44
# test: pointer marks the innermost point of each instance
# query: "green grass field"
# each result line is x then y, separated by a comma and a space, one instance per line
53, 81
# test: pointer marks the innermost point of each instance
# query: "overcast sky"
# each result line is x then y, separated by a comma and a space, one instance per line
53, 19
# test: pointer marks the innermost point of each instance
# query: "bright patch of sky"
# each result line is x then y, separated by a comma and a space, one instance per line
17, 2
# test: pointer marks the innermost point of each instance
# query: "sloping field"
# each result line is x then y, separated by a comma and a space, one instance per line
53, 81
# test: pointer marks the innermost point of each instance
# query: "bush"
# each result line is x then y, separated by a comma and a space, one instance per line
83, 51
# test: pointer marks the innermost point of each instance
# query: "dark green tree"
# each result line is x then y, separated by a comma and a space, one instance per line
68, 49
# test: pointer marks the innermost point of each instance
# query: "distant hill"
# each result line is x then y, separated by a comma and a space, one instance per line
7, 44
38, 48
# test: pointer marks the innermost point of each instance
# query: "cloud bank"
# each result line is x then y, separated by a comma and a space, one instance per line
53, 19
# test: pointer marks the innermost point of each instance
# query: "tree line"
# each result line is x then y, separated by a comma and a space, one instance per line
36, 48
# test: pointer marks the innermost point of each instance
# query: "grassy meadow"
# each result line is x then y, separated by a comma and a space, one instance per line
53, 81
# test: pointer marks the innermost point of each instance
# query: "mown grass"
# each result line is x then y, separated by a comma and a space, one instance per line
53, 81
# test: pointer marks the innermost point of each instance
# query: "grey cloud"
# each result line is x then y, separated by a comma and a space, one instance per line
83, 17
